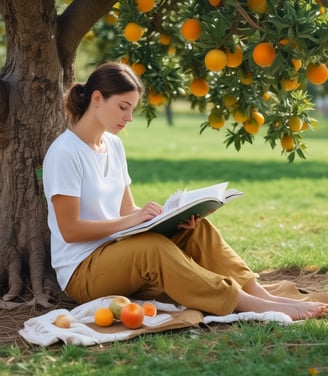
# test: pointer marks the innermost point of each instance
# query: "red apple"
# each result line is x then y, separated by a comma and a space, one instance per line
117, 305
132, 316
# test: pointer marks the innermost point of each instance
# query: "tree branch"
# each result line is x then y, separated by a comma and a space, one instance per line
247, 17
73, 24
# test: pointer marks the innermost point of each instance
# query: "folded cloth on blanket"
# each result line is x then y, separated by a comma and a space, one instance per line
83, 331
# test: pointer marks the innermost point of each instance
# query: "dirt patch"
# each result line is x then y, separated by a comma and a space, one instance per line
11, 321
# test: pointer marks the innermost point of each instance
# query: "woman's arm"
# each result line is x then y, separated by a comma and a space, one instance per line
75, 229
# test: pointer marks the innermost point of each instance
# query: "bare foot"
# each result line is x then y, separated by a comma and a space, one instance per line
297, 310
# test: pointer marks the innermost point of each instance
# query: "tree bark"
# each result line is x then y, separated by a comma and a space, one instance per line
38, 67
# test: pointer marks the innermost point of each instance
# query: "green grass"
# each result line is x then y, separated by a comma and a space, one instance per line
280, 222
250, 349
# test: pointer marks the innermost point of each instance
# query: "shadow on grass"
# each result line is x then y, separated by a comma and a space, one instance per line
147, 171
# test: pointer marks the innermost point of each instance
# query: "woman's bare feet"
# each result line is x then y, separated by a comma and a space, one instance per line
297, 310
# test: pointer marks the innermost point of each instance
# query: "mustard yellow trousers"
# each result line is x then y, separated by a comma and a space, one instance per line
195, 268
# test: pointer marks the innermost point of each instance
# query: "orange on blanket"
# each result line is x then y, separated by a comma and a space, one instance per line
104, 316
149, 309
132, 316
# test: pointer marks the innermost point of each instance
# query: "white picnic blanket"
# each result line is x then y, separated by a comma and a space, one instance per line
41, 330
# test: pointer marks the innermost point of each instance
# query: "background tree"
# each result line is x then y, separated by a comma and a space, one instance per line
249, 62
245, 61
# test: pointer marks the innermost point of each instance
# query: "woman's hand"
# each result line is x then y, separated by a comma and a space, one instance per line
149, 211
190, 224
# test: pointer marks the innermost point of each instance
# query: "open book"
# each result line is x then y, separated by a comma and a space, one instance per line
180, 206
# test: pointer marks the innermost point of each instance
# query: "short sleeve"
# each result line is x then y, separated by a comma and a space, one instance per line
62, 172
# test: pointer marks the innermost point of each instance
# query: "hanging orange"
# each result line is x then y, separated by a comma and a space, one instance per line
138, 68
251, 127
289, 84
145, 5
199, 87
287, 142
215, 3
164, 39
317, 74
234, 58
191, 29
215, 60
216, 120
133, 32
264, 54
156, 99
259, 6
297, 63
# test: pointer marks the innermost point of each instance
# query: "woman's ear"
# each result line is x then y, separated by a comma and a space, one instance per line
96, 97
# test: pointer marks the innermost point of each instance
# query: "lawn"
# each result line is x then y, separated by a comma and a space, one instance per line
281, 222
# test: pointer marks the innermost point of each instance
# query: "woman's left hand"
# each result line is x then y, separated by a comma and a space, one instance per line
190, 224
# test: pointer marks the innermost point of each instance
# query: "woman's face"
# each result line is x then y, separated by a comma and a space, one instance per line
113, 113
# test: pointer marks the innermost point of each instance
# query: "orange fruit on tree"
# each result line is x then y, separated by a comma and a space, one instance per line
215, 60
264, 54
317, 74
133, 32
216, 120
235, 57
155, 98
199, 87
309, 124
251, 127
125, 59
246, 78
164, 39
295, 123
266, 95
145, 5
258, 117
215, 3
191, 29
138, 68
287, 142
229, 101
258, 6
132, 316
297, 63
172, 50
284, 41
149, 309
103, 316
289, 84
111, 18
240, 116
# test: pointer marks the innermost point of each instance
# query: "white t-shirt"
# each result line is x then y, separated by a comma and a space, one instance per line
72, 168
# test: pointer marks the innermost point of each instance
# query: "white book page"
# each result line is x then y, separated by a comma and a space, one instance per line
173, 201
216, 191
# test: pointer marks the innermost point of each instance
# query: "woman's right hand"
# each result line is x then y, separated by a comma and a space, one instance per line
150, 210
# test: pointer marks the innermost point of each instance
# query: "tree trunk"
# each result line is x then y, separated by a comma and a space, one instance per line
31, 117
41, 48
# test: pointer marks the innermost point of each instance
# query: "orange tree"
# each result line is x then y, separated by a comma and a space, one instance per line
248, 61
227, 57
